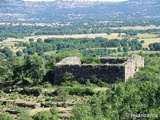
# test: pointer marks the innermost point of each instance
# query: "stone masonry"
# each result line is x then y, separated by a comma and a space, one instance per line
110, 70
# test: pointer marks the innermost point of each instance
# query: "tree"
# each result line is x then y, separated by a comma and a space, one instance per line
39, 40
31, 39
5, 68
119, 49
82, 112
2, 56
154, 46
18, 71
142, 41
19, 53
35, 68
3, 73
125, 48
41, 53
7, 52
31, 51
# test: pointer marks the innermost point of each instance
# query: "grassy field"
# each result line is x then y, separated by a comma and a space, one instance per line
149, 41
12, 47
103, 35
50, 53
136, 27
146, 36
136, 52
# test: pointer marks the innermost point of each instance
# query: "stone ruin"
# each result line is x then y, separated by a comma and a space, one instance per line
110, 70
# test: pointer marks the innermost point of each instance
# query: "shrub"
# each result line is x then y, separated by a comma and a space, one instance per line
33, 91
4, 116
80, 91
90, 61
62, 93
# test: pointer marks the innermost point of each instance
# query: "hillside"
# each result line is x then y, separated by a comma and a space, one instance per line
18, 10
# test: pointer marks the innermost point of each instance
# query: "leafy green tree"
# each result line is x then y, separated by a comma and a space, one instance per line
5, 68
125, 48
19, 53
39, 40
3, 73
7, 51
31, 39
2, 56
31, 51
142, 41
154, 46
119, 49
35, 68
41, 53
18, 71
82, 112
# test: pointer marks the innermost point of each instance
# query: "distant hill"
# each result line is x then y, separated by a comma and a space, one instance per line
18, 10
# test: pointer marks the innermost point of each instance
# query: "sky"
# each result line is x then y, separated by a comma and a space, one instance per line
89, 0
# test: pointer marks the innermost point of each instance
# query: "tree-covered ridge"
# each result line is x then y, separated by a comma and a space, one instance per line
81, 11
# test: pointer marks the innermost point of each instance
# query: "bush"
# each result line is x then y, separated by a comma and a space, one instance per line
43, 116
51, 115
65, 105
62, 93
80, 91
19, 53
33, 91
4, 116
90, 61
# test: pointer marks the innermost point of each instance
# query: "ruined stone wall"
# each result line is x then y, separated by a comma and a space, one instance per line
132, 65
108, 71
113, 60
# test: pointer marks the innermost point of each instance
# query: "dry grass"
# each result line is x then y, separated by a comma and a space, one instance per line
149, 41
26, 39
146, 36
65, 112
36, 110
100, 89
103, 35
11, 46
50, 53
102, 48
136, 27
8, 44
136, 52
